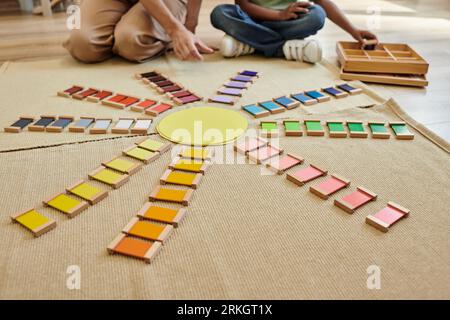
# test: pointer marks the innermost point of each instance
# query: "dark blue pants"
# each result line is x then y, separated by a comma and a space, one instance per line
267, 37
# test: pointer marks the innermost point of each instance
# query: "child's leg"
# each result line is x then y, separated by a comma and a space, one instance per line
238, 24
93, 42
304, 26
138, 36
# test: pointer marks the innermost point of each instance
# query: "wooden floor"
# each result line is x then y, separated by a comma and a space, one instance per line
423, 24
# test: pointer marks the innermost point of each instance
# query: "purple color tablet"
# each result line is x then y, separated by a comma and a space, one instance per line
242, 78
249, 73
230, 91
223, 99
236, 84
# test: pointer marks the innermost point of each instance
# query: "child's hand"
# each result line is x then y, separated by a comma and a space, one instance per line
360, 35
294, 9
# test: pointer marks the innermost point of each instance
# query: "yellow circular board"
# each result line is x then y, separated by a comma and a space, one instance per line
202, 126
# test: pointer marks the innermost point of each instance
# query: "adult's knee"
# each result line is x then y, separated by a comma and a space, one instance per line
84, 47
316, 17
135, 46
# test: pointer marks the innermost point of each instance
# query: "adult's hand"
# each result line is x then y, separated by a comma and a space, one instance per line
292, 11
188, 46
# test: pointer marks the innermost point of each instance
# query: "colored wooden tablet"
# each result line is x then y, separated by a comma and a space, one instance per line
320, 97
196, 153
236, 85
242, 78
153, 145
114, 100
356, 199
155, 79
103, 94
379, 131
60, 124
33, 221
314, 128
230, 91
42, 123
122, 103
256, 111
356, 129
172, 195
269, 128
70, 206
19, 125
348, 88
304, 99
249, 73
172, 88
187, 99
150, 74
250, 144
162, 214
123, 165
143, 105
281, 164
292, 127
141, 126
286, 102
82, 124
338, 94
147, 230
189, 165
179, 94
161, 84
330, 186
141, 154
181, 178
123, 125
158, 109
264, 153
305, 175
84, 94
336, 129
70, 91
272, 107
110, 177
223, 99
387, 216
135, 248
100, 126
401, 131
87, 192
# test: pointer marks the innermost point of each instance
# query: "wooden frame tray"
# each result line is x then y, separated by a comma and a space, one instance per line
391, 78
385, 58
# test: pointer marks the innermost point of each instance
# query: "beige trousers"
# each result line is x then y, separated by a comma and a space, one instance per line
121, 27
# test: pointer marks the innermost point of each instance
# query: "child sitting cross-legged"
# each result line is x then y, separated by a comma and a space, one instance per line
279, 28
